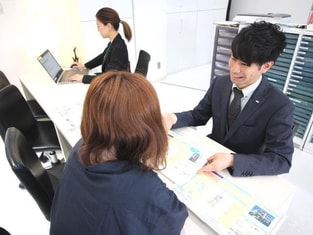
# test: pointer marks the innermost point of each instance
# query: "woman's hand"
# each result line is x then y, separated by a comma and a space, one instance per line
169, 119
77, 65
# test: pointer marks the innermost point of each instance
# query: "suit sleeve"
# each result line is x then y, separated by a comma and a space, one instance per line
200, 115
276, 156
95, 62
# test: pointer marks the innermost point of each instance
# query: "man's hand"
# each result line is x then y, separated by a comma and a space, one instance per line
218, 162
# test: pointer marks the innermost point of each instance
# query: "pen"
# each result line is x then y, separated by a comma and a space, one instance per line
217, 174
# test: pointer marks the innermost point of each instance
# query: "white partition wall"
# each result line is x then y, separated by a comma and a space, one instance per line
190, 32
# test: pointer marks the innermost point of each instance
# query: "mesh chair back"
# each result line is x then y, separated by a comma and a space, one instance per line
143, 63
14, 111
4, 81
35, 108
28, 169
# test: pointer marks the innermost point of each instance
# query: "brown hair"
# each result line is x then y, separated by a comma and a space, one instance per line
122, 117
108, 15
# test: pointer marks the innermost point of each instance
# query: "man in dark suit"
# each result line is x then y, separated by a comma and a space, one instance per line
261, 134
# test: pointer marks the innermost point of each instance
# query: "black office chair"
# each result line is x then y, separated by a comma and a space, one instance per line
38, 181
4, 81
35, 108
143, 63
3, 231
14, 112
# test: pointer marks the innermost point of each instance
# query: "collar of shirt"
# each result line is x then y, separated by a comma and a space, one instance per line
248, 91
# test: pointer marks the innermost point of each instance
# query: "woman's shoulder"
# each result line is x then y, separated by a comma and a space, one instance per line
118, 42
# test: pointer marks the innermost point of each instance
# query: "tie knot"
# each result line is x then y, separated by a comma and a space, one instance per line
238, 93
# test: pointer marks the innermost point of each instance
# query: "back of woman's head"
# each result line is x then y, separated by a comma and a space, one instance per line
122, 115
258, 43
108, 15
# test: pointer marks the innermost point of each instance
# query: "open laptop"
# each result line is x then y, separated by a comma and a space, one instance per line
59, 75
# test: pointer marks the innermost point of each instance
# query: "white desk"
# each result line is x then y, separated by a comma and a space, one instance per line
63, 104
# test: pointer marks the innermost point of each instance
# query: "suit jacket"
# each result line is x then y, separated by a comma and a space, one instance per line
114, 57
114, 198
261, 136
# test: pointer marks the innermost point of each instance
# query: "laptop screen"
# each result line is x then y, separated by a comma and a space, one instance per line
50, 64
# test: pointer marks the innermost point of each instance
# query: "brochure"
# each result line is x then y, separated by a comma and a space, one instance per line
214, 197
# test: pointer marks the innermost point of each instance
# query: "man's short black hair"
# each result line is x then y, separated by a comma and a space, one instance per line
258, 43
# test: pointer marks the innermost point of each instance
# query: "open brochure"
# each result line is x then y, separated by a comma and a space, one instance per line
214, 197
225, 207
183, 160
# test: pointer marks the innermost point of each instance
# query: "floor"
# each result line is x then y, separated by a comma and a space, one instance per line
20, 215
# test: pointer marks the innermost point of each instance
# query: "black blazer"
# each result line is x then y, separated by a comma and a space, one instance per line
114, 57
261, 136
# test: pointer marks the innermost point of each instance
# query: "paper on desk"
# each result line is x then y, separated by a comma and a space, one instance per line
215, 198
183, 160
225, 207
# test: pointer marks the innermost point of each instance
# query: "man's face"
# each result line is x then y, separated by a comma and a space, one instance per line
243, 75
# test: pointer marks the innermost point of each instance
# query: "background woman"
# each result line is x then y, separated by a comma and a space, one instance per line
115, 55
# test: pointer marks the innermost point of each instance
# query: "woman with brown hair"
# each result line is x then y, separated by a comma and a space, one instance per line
115, 55
109, 185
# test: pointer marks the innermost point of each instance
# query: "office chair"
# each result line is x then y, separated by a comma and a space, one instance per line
14, 112
38, 181
143, 63
35, 108
3, 231
4, 81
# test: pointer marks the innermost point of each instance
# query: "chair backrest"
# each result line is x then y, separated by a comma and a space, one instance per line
4, 81
143, 63
28, 169
3, 231
14, 111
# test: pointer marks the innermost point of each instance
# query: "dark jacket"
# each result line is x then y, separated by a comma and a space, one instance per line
114, 198
114, 57
261, 136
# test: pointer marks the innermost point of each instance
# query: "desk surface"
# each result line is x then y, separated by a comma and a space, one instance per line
63, 104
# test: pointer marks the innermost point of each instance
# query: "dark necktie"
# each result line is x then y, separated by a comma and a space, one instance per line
235, 106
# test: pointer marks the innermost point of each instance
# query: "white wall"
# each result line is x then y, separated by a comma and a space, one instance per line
298, 9
28, 27
190, 32
150, 32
